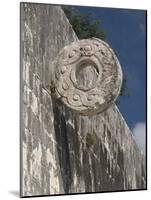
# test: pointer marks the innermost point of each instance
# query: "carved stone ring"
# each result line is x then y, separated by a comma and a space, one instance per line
88, 76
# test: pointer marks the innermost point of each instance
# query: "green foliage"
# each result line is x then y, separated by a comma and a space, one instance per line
85, 26
125, 91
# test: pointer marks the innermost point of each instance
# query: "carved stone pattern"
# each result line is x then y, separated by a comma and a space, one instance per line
68, 63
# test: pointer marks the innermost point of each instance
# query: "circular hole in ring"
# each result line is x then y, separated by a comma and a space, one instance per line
86, 74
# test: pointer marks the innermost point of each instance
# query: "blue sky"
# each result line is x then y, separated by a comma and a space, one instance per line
126, 34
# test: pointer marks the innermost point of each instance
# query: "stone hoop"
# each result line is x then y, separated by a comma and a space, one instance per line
88, 76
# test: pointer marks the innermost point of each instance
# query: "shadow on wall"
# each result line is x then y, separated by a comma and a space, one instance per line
84, 163
62, 145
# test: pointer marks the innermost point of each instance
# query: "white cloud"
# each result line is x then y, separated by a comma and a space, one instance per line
139, 132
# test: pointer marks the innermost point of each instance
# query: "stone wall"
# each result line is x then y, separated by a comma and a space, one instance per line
61, 151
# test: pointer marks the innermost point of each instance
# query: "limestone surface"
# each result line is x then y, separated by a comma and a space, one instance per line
62, 151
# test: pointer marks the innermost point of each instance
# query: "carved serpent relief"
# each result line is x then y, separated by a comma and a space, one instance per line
88, 76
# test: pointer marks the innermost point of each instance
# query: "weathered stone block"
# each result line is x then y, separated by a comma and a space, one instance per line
54, 156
